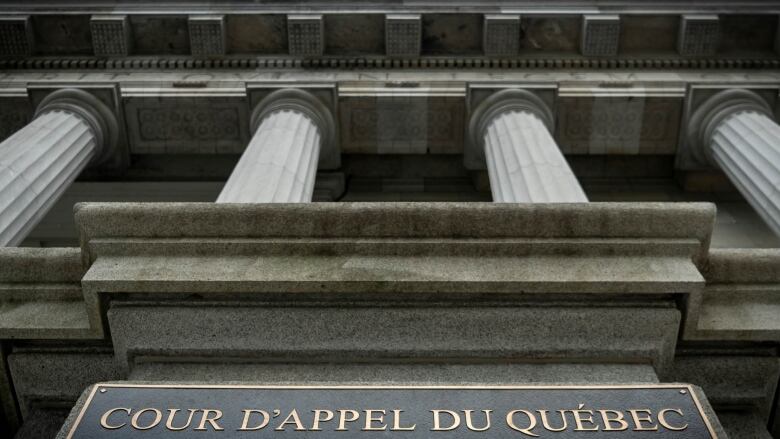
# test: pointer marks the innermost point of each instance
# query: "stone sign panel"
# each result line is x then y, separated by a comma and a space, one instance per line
214, 411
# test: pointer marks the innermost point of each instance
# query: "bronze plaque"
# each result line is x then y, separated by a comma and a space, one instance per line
410, 412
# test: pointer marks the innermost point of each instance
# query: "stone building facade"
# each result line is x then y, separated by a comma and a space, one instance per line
431, 192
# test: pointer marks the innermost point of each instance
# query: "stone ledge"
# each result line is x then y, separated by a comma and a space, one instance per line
741, 300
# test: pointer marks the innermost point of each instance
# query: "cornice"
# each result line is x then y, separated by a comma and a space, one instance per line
173, 7
250, 63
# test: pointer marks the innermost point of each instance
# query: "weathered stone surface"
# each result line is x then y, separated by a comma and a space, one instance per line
376, 373
187, 125
393, 125
155, 35
354, 34
741, 424
618, 125
742, 298
731, 381
438, 38
40, 265
413, 220
56, 376
375, 333
242, 31
43, 423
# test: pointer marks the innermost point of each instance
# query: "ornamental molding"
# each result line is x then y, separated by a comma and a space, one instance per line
352, 63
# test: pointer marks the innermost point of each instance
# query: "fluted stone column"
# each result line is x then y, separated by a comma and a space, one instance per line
735, 130
71, 129
523, 161
280, 164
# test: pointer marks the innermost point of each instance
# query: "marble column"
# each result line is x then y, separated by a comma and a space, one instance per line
523, 161
735, 130
70, 130
280, 164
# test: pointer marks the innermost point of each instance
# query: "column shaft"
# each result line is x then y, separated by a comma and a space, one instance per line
746, 146
37, 164
525, 164
280, 163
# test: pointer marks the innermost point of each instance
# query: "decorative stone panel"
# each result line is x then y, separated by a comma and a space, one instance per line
600, 35
699, 35
501, 35
16, 36
110, 35
207, 35
187, 125
401, 125
305, 35
618, 125
403, 35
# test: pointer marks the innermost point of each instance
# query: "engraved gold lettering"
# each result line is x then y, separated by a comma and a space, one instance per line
371, 419
531, 422
662, 419
172, 415
343, 419
137, 416
292, 418
639, 420
212, 420
610, 421
579, 418
470, 424
104, 418
546, 423
247, 414
315, 426
437, 420
397, 422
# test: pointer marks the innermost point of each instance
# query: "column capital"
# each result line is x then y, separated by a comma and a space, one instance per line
293, 99
89, 108
706, 118
494, 105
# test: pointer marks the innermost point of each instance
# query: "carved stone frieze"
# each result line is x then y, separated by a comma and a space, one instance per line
305, 35
501, 35
207, 35
403, 34
600, 35
187, 125
401, 125
16, 36
110, 35
618, 125
699, 35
